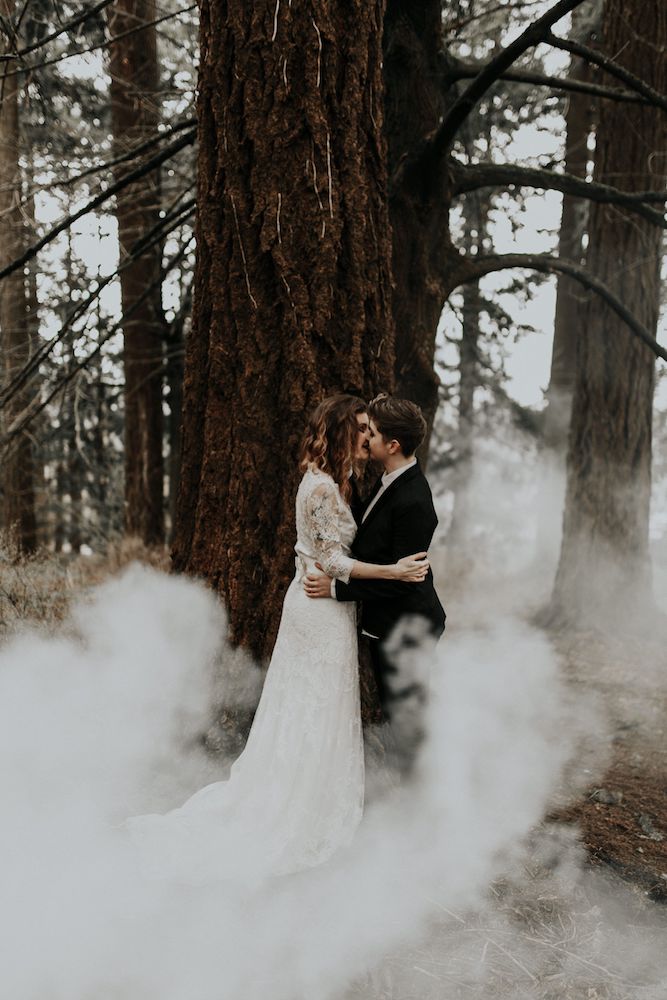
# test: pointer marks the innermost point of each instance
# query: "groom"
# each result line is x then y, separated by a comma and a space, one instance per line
397, 520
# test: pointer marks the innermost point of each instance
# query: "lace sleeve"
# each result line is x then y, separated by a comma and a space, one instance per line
324, 522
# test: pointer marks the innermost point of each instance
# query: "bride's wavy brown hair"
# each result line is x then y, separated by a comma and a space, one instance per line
330, 438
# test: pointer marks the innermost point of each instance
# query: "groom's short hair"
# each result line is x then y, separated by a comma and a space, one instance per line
398, 420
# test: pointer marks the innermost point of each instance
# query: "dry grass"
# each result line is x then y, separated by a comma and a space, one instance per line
36, 591
543, 935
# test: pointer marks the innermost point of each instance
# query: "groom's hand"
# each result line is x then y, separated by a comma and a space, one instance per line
317, 585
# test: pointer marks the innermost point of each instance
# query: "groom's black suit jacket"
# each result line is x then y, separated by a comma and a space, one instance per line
401, 522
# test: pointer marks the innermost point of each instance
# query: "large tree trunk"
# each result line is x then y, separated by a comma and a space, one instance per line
292, 296
419, 209
17, 464
135, 118
604, 568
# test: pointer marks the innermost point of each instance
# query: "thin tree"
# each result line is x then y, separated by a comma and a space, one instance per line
135, 115
18, 491
579, 114
580, 111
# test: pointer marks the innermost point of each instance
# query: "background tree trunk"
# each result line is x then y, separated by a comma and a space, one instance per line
457, 536
570, 304
18, 492
135, 117
604, 566
419, 211
292, 295
174, 373
580, 115
570, 298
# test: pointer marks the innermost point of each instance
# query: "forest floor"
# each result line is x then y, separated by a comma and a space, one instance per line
622, 813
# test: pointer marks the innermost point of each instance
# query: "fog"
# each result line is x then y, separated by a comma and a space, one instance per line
455, 884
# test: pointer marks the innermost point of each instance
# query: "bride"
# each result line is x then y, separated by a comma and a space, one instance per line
295, 794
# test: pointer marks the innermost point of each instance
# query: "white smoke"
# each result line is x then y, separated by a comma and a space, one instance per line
103, 721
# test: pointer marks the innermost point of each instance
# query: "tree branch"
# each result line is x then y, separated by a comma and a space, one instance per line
165, 154
131, 154
35, 407
474, 176
434, 148
100, 45
67, 26
611, 67
466, 71
473, 268
165, 226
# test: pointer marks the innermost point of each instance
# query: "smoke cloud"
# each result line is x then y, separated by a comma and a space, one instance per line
455, 883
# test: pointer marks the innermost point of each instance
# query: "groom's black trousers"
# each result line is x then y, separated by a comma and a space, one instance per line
403, 699
392, 688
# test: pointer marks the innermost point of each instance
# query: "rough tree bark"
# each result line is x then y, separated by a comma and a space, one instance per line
292, 295
135, 117
18, 494
604, 568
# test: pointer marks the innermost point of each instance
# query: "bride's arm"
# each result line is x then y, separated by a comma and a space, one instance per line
322, 511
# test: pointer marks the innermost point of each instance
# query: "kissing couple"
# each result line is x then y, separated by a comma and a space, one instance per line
295, 795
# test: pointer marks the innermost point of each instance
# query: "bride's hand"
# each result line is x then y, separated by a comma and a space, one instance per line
412, 569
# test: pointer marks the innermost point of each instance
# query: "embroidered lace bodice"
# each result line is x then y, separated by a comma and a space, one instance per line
325, 527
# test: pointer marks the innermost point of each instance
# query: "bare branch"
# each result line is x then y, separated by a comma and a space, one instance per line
36, 406
457, 26
67, 26
100, 45
166, 225
131, 154
98, 200
465, 71
611, 67
435, 147
473, 268
474, 176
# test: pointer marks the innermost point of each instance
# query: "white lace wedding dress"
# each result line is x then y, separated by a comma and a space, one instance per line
295, 795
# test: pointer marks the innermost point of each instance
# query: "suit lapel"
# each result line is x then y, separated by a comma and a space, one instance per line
404, 478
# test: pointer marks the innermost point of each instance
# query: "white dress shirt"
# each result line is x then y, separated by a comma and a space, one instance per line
387, 479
